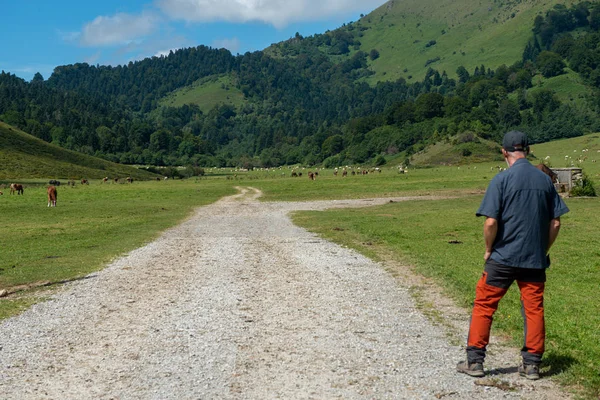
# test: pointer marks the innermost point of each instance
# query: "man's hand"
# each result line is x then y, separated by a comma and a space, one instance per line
490, 229
554, 229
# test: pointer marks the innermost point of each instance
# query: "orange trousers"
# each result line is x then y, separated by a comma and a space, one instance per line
492, 286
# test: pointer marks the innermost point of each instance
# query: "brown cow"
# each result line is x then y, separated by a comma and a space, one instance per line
129, 179
16, 187
545, 169
105, 179
52, 195
116, 180
311, 176
84, 182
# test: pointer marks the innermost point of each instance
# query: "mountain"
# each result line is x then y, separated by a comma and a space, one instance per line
24, 156
406, 76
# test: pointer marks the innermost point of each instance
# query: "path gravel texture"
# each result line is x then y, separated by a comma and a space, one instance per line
238, 303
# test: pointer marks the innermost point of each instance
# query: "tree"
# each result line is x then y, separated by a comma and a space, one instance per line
429, 105
508, 114
160, 140
595, 18
463, 74
544, 100
37, 78
374, 54
455, 106
580, 13
332, 145
550, 64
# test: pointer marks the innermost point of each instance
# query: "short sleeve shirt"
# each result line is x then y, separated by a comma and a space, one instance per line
523, 200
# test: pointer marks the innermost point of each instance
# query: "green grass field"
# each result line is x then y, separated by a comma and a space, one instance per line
94, 224
206, 93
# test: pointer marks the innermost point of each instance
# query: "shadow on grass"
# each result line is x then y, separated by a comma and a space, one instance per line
557, 363
553, 364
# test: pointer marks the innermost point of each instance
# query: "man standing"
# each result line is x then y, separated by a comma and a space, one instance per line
522, 211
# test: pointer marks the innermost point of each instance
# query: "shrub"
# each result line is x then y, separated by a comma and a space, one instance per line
466, 137
333, 161
432, 60
583, 187
380, 160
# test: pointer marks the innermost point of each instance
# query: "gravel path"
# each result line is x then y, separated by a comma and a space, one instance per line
238, 303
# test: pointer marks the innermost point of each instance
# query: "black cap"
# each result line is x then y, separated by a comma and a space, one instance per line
515, 141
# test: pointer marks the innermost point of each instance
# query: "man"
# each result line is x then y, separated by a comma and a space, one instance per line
523, 220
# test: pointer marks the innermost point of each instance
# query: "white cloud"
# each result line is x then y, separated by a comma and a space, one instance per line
233, 44
118, 29
93, 58
276, 12
69, 36
163, 53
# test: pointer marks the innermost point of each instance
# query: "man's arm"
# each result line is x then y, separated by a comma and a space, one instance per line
490, 229
554, 229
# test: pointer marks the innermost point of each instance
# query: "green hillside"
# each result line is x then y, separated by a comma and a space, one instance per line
465, 148
568, 87
467, 32
206, 93
412, 35
583, 152
24, 156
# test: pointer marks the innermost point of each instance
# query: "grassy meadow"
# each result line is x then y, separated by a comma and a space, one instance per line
94, 224
206, 93
90, 226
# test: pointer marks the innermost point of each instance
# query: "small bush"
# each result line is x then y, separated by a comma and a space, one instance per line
431, 61
583, 188
466, 137
380, 160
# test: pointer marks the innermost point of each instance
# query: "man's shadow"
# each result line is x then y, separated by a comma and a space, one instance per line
553, 364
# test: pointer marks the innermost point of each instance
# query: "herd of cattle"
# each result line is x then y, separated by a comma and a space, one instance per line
52, 192
344, 172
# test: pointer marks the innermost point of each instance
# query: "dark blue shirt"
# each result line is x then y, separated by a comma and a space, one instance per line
523, 200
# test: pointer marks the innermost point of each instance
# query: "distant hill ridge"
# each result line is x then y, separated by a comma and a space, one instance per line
408, 75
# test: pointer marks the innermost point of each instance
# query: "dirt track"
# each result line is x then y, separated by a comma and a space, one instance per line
238, 303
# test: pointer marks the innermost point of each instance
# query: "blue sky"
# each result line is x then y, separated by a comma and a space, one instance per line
38, 35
